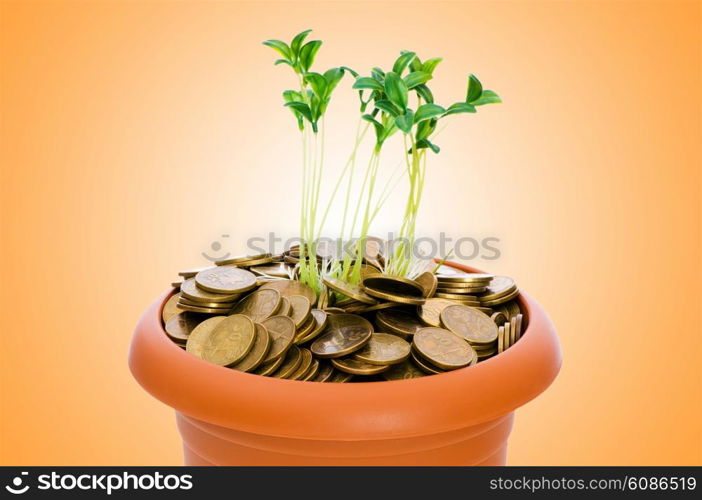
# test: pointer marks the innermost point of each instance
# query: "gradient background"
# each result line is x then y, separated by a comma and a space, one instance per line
135, 134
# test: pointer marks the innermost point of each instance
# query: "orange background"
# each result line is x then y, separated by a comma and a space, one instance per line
135, 134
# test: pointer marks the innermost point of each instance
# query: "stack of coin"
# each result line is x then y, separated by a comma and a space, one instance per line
248, 260
248, 314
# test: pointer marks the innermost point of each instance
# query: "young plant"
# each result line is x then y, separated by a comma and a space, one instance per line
308, 105
390, 93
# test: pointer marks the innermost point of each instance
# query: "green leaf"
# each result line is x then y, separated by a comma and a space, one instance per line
297, 42
427, 112
426, 143
425, 128
349, 70
301, 108
487, 97
416, 78
318, 83
475, 88
430, 64
405, 122
403, 61
378, 74
415, 64
460, 107
388, 107
308, 53
396, 90
379, 128
366, 82
333, 76
280, 47
424, 92
292, 95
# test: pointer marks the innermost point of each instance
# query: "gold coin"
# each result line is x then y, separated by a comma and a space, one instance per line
229, 341
475, 361
176, 284
267, 369
403, 371
428, 282
285, 308
276, 270
503, 309
226, 279
508, 335
291, 287
352, 291
190, 273
499, 287
210, 305
442, 347
203, 310
447, 272
312, 372
424, 365
520, 318
384, 349
356, 367
500, 339
300, 309
513, 330
364, 308
369, 270
461, 290
324, 373
394, 289
452, 275
394, 285
340, 377
500, 300
259, 305
320, 322
343, 334
334, 310
513, 308
458, 296
463, 285
195, 344
304, 330
238, 259
293, 358
259, 350
282, 330
398, 321
305, 364
170, 308
190, 291
256, 262
498, 318
430, 312
486, 353
180, 326
470, 324
323, 301
398, 299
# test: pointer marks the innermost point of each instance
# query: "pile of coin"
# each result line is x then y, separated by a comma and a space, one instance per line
250, 313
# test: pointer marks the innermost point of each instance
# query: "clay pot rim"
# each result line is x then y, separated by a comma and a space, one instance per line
339, 412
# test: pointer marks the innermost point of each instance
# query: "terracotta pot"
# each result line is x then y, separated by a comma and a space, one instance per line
463, 417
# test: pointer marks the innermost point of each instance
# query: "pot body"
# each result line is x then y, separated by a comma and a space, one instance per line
481, 444
463, 417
